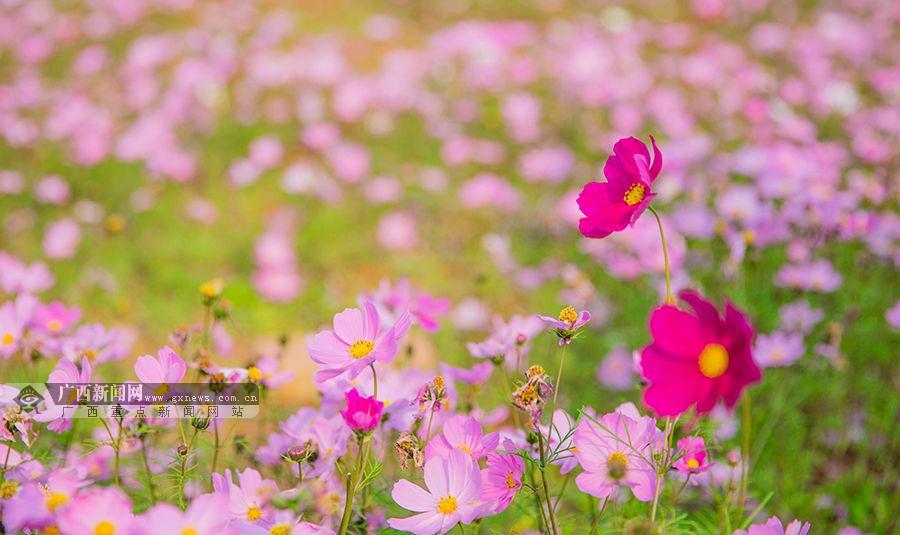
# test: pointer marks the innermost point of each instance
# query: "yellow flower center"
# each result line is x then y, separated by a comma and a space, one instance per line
254, 373
635, 194
447, 505
438, 381
616, 464
511, 482
8, 489
280, 529
212, 288
528, 395
361, 348
105, 528
8, 339
51, 530
692, 463
568, 314
189, 531
713, 360
55, 499
54, 325
464, 448
535, 370
254, 514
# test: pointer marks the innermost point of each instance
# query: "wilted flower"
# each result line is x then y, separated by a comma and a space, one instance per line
532, 395
408, 448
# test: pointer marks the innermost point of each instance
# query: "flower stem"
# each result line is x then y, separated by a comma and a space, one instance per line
745, 453
150, 487
562, 359
543, 468
215, 455
662, 236
374, 381
352, 483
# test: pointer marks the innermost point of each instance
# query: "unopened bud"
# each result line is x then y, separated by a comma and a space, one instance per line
182, 450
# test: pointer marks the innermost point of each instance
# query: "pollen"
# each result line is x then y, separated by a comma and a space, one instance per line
464, 448
635, 194
616, 464
54, 325
361, 348
254, 373
189, 531
8, 339
528, 395
713, 361
447, 505
254, 514
8, 489
51, 530
535, 371
568, 315
55, 499
280, 529
511, 482
438, 381
692, 463
105, 528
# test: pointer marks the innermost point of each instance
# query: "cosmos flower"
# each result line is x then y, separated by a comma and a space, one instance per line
773, 526
502, 478
99, 510
362, 415
66, 372
567, 323
249, 498
559, 437
695, 359
54, 318
617, 203
616, 451
462, 433
693, 458
202, 517
12, 329
167, 367
778, 349
356, 341
453, 495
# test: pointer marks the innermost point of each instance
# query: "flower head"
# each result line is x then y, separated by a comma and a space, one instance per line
453, 495
773, 526
613, 205
100, 511
356, 341
502, 479
167, 367
462, 433
693, 458
695, 359
567, 323
617, 451
362, 415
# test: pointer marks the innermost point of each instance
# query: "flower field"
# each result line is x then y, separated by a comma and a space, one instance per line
273, 267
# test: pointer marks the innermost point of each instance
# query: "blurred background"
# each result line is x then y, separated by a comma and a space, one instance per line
307, 152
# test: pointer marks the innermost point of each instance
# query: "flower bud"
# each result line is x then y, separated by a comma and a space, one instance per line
182, 450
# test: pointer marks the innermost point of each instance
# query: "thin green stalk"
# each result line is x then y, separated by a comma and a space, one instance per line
374, 381
745, 453
662, 236
352, 483
562, 359
215, 455
542, 466
150, 487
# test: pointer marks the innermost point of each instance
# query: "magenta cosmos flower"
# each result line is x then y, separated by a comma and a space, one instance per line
362, 414
617, 451
695, 359
453, 496
613, 205
356, 341
502, 479
693, 458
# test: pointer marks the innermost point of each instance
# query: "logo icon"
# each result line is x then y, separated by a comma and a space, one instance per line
28, 399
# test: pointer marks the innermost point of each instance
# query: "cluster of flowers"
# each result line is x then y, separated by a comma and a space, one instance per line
698, 361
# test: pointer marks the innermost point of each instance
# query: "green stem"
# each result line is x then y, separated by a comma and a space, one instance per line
215, 455
562, 359
352, 483
542, 466
542, 520
662, 236
184, 460
745, 453
150, 487
374, 381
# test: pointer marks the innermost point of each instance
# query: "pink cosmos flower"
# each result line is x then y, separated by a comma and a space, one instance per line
617, 369
567, 323
66, 372
167, 367
356, 341
37, 504
893, 316
362, 415
16, 277
392, 299
559, 435
103, 510
453, 496
695, 359
249, 499
12, 329
617, 203
693, 452
202, 517
617, 451
778, 349
55, 318
502, 478
773, 526
462, 433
